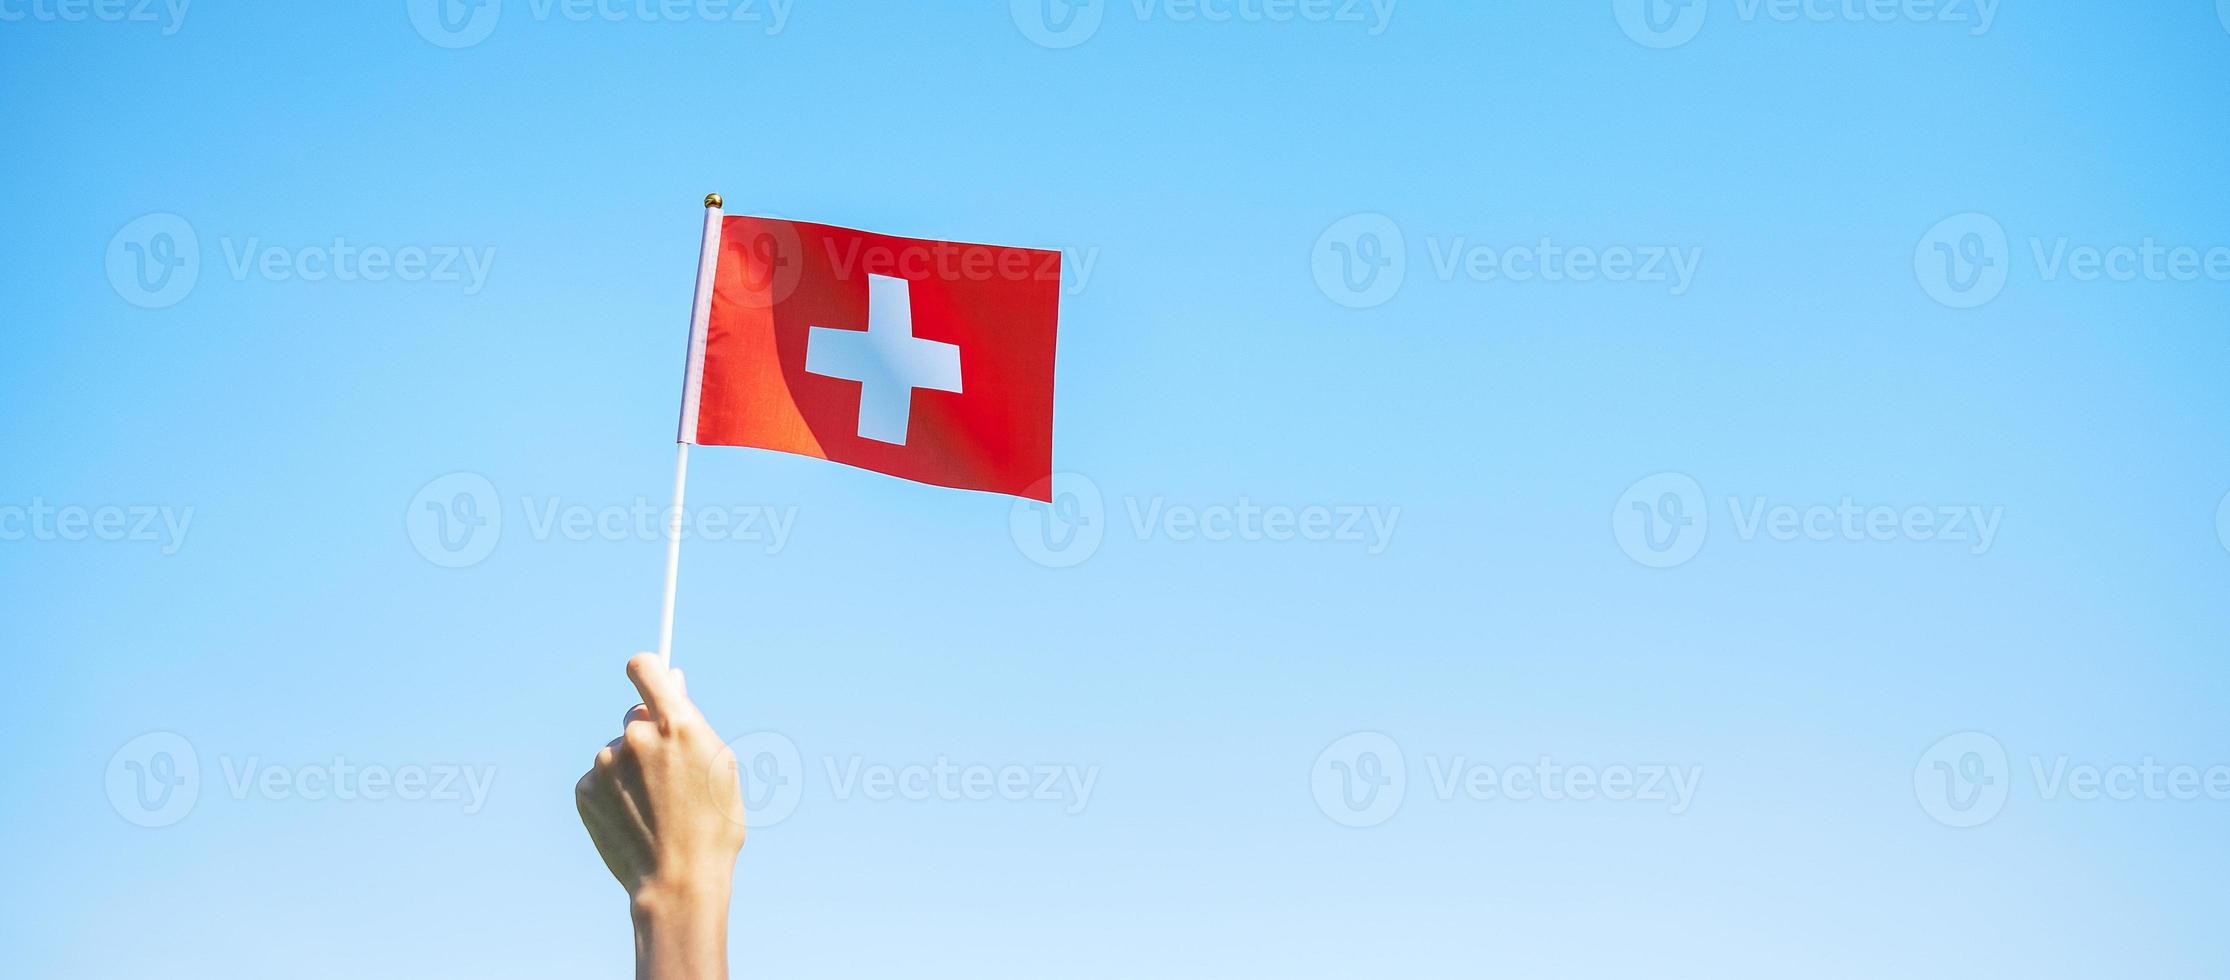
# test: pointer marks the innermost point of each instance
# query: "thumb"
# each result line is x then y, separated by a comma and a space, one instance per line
661, 689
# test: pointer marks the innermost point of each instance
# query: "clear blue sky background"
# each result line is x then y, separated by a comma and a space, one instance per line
1197, 164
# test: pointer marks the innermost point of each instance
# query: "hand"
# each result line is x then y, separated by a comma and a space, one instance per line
664, 806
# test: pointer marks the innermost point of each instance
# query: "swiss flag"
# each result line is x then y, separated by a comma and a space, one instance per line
927, 360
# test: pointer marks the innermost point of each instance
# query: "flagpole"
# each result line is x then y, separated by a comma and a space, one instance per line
673, 557
693, 373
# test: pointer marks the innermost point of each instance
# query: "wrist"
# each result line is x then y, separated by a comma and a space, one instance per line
680, 900
681, 929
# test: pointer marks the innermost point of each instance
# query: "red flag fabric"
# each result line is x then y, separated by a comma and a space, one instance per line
927, 360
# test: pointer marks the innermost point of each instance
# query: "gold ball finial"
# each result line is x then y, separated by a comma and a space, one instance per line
712, 200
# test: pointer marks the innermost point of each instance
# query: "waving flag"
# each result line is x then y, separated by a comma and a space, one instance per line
927, 360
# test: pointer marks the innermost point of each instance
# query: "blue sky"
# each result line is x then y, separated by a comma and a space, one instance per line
1576, 489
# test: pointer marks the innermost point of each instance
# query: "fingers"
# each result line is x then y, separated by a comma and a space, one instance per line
661, 689
622, 851
639, 738
637, 713
616, 781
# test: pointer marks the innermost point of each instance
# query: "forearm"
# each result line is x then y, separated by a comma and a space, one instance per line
682, 933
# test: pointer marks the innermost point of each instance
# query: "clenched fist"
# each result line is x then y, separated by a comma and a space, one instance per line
664, 806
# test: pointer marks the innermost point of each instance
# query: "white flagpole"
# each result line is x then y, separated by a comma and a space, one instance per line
693, 374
